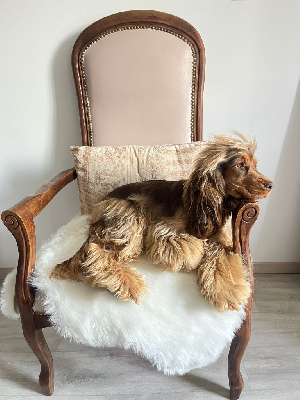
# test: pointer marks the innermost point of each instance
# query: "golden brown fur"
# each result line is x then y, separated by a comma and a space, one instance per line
179, 224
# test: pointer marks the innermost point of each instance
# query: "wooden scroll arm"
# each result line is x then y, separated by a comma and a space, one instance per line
19, 221
243, 218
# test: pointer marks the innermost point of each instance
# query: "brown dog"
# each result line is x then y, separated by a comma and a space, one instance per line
179, 224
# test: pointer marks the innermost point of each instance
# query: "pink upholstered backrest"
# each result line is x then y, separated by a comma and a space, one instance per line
138, 85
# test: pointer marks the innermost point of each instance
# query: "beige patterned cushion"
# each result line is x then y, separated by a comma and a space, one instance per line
102, 169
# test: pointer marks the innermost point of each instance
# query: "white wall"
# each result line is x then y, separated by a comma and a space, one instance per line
252, 84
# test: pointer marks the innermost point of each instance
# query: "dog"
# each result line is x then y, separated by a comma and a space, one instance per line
179, 224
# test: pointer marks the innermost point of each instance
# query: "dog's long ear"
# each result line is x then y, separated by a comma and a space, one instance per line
203, 202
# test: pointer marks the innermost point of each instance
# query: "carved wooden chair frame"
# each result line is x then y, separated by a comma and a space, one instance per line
19, 219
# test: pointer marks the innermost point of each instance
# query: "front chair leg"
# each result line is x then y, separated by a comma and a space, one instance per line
36, 340
242, 222
237, 349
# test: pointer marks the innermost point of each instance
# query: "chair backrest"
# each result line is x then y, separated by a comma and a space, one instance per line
139, 77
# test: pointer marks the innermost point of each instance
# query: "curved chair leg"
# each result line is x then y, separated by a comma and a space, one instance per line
237, 349
38, 345
243, 219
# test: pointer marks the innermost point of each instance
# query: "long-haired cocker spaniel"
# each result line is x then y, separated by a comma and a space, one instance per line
179, 224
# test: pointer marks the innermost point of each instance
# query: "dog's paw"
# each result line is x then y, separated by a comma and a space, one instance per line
64, 271
131, 285
223, 281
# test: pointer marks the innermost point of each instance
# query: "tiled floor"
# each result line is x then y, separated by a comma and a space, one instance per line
271, 365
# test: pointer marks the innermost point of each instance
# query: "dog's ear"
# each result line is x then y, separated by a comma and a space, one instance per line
203, 202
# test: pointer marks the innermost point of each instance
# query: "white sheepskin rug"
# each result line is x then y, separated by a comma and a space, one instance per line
173, 327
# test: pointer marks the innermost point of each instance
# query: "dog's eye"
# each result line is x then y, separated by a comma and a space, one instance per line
241, 165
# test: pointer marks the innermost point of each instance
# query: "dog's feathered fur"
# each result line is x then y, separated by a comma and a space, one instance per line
179, 224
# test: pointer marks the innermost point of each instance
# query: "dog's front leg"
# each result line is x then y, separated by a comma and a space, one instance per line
171, 249
222, 278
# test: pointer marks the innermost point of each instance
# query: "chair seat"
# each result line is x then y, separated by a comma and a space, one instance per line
173, 327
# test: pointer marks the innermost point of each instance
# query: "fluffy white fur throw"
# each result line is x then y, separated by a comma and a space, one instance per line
173, 327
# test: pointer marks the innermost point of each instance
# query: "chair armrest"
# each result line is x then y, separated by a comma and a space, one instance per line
19, 221
243, 218
33, 204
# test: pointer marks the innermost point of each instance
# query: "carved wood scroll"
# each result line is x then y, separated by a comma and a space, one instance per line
243, 218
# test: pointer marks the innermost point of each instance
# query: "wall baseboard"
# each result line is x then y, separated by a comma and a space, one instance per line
277, 267
259, 268
4, 272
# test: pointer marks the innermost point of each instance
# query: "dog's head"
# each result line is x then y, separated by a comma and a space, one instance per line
226, 168
242, 180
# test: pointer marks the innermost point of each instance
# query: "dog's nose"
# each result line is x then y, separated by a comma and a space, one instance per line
268, 185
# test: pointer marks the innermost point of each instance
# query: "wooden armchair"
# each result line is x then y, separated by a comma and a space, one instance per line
139, 77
